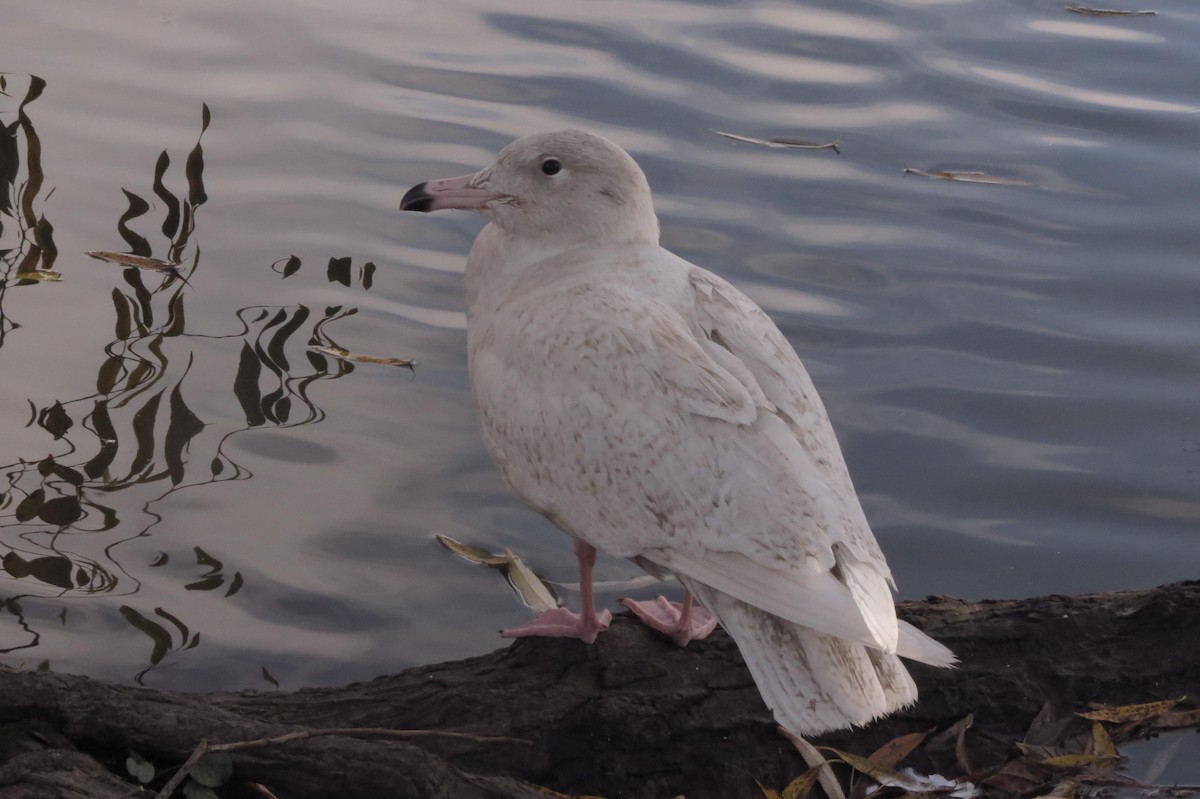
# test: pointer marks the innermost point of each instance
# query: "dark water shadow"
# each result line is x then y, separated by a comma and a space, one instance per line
131, 438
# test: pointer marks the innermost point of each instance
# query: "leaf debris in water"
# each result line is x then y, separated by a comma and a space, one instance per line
347, 355
967, 177
46, 277
532, 590
139, 261
468, 552
1109, 12
795, 144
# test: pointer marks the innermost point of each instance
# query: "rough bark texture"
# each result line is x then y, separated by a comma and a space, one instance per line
630, 716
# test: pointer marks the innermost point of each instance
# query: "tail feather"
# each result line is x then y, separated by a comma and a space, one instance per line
814, 682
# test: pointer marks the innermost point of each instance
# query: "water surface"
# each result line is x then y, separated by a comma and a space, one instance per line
1012, 369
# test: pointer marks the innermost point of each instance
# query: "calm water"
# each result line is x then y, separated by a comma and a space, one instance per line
1013, 370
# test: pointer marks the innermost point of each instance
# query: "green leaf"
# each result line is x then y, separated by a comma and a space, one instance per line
140, 768
213, 769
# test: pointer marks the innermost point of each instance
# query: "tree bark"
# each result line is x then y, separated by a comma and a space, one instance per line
629, 716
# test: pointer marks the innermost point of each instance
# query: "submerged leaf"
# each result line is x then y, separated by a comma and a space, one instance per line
213, 769
347, 355
140, 768
194, 790
967, 177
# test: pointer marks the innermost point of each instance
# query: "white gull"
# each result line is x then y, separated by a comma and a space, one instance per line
651, 410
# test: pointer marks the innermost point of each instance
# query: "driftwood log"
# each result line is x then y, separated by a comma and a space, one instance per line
630, 716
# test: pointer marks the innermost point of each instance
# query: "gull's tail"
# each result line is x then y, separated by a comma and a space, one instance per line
814, 682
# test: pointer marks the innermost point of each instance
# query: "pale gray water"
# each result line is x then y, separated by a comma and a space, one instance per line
1012, 369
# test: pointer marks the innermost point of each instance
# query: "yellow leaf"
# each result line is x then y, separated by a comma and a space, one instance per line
768, 793
865, 766
473, 554
1142, 712
1102, 742
894, 751
1072, 761
42, 277
967, 177
801, 787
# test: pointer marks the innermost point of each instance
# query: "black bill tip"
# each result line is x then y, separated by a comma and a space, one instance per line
417, 199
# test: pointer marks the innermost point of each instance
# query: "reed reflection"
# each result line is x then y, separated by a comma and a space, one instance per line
27, 251
131, 439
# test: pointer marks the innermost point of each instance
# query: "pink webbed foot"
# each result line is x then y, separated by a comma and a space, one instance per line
681, 622
562, 623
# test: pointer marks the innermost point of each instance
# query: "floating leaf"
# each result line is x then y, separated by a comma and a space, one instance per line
139, 261
368, 274
473, 554
967, 177
533, 592
140, 768
1109, 12
213, 769
1123, 713
42, 277
347, 355
269, 677
795, 144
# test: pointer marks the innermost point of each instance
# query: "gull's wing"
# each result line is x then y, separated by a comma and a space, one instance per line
736, 367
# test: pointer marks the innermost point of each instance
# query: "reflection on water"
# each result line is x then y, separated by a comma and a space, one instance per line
131, 438
27, 251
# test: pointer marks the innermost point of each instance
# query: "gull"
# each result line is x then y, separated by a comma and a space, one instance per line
651, 410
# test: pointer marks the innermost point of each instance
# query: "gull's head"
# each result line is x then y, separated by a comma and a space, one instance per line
567, 186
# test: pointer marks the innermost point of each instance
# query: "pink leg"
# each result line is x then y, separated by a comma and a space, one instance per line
562, 623
683, 623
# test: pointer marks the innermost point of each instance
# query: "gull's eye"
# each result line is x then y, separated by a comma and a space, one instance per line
551, 166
